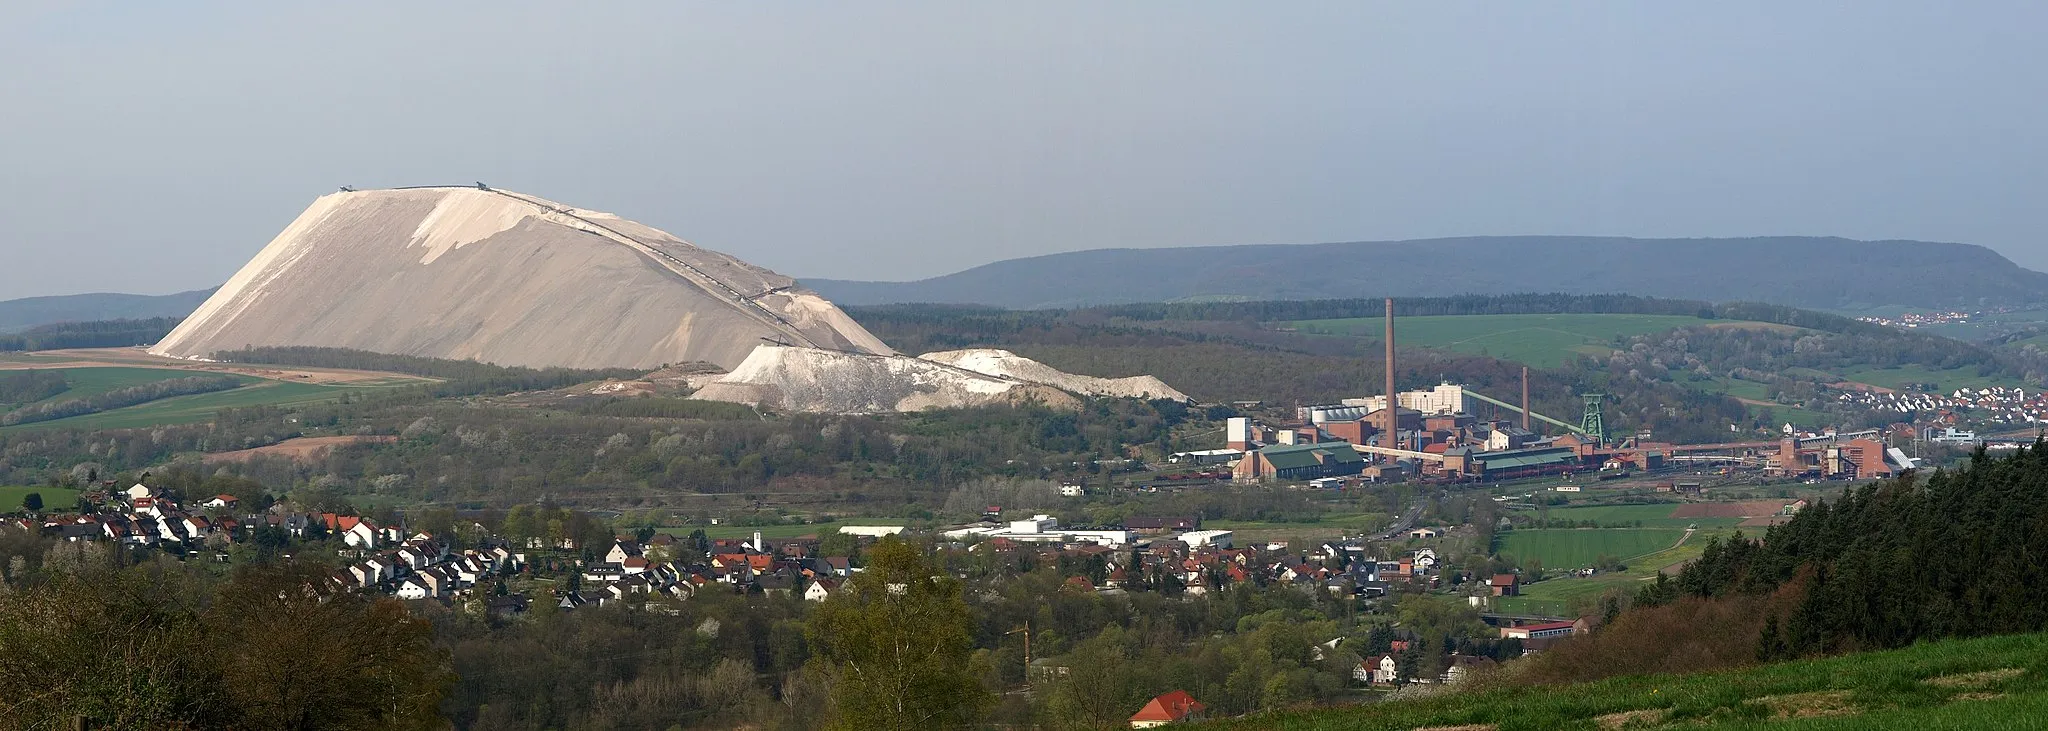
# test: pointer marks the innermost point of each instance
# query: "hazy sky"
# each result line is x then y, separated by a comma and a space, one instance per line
154, 147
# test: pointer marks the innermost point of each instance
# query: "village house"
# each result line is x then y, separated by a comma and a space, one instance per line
820, 590
622, 550
1377, 670
1462, 666
414, 588
1168, 708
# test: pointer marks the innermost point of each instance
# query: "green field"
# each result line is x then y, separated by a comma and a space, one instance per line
54, 498
1651, 516
1897, 378
1876, 690
1735, 387
195, 407
1543, 341
2038, 341
1574, 548
1572, 596
89, 382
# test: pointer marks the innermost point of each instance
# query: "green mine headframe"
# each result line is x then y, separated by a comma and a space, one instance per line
1591, 424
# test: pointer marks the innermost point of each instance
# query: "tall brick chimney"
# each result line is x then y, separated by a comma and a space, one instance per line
1525, 398
1393, 440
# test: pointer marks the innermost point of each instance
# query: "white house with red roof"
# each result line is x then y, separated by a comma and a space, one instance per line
1377, 670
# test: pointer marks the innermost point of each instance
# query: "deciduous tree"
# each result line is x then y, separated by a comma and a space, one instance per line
899, 637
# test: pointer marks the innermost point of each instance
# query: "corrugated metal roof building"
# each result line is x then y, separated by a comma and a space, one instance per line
1301, 462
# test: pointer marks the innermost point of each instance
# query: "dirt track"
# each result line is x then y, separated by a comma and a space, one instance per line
1747, 509
136, 358
303, 448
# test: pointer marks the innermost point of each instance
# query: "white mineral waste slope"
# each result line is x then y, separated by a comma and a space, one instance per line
827, 381
1005, 364
504, 278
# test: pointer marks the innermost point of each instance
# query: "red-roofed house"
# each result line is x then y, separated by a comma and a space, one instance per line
220, 501
1505, 585
1377, 670
354, 530
1168, 708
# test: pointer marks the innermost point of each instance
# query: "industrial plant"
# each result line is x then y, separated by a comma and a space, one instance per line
1434, 434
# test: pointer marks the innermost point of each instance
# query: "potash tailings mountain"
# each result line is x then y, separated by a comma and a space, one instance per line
500, 277
505, 278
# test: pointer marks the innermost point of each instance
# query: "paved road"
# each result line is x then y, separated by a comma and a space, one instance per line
1407, 521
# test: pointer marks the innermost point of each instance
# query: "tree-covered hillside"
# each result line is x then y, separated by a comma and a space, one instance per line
1824, 273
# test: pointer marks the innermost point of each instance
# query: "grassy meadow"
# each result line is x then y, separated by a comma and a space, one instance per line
1983, 683
54, 498
190, 408
1898, 378
89, 382
1561, 549
1655, 515
1542, 341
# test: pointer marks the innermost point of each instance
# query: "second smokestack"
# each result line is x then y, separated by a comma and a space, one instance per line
1525, 398
1393, 440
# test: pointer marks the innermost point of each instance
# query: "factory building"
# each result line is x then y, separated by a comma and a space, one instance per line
1445, 398
1854, 459
1044, 529
1469, 461
1300, 462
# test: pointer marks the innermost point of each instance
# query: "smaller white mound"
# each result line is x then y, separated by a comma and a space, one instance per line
830, 381
1005, 364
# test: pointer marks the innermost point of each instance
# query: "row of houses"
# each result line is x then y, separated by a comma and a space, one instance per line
424, 568
144, 517
1991, 403
1385, 669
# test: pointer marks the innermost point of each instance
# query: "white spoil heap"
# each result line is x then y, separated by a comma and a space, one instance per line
505, 278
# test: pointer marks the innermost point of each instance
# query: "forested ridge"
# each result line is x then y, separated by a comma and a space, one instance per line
1887, 565
1793, 270
95, 334
1900, 561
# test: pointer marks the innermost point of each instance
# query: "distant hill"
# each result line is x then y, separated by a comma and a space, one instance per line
1810, 272
22, 314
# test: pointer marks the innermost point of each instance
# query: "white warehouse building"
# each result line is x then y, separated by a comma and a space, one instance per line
1045, 529
1206, 538
1445, 398
871, 531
